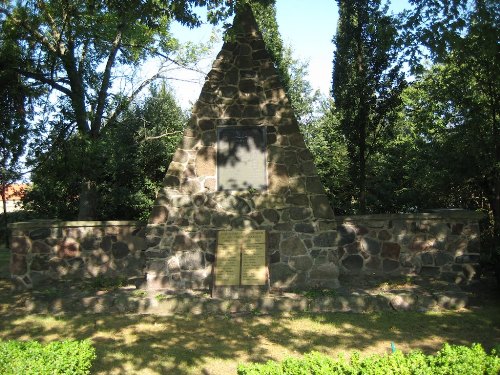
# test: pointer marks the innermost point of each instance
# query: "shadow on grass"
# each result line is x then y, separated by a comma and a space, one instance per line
196, 344
211, 342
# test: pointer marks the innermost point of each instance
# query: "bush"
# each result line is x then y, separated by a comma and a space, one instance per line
454, 360
33, 358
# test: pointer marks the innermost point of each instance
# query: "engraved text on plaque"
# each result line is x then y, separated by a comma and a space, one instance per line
241, 158
241, 258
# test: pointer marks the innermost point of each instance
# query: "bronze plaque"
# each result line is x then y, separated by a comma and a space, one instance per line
227, 272
241, 158
241, 258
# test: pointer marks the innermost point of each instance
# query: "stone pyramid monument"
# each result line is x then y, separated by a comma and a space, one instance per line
242, 163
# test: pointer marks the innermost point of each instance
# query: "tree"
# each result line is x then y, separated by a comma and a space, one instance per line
14, 130
292, 71
326, 142
80, 49
462, 38
367, 82
139, 152
131, 159
304, 100
265, 15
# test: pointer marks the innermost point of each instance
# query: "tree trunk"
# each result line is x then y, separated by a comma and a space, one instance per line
496, 184
87, 209
362, 113
5, 220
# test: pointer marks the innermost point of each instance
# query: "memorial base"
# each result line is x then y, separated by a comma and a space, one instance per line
240, 292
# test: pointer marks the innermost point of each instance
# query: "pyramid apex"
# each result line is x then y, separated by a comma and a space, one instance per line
244, 22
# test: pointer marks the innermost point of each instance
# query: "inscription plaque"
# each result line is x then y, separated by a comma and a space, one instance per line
241, 158
241, 258
227, 271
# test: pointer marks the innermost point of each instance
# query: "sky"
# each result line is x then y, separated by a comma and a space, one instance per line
307, 26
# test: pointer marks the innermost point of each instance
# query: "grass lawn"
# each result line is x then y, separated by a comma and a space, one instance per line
147, 344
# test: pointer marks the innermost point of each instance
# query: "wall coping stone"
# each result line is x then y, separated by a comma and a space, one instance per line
81, 223
431, 215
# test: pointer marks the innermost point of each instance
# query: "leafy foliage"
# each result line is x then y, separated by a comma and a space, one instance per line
14, 110
265, 15
33, 358
367, 82
327, 144
73, 47
80, 52
292, 72
303, 98
461, 91
130, 159
14, 114
449, 360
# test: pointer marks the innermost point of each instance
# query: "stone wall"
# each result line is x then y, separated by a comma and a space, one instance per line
43, 251
444, 245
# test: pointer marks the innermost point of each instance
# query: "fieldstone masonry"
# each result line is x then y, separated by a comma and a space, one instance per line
307, 247
243, 89
45, 251
443, 245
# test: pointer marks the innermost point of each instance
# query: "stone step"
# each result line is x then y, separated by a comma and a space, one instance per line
163, 303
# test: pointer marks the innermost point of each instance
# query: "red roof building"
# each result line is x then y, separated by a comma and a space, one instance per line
13, 195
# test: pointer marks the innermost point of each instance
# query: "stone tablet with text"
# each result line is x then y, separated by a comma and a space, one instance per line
241, 158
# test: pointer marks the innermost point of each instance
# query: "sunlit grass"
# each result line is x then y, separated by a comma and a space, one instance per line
148, 344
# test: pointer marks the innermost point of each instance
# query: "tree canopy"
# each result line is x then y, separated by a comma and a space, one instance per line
79, 51
367, 82
461, 39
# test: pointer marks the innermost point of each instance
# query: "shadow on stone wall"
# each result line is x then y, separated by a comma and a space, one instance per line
443, 245
46, 251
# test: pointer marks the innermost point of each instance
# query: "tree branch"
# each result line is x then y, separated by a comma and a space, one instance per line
36, 34
122, 105
50, 20
160, 136
40, 77
162, 55
179, 64
101, 98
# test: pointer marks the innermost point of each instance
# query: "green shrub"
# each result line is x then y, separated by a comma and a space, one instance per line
450, 360
59, 357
